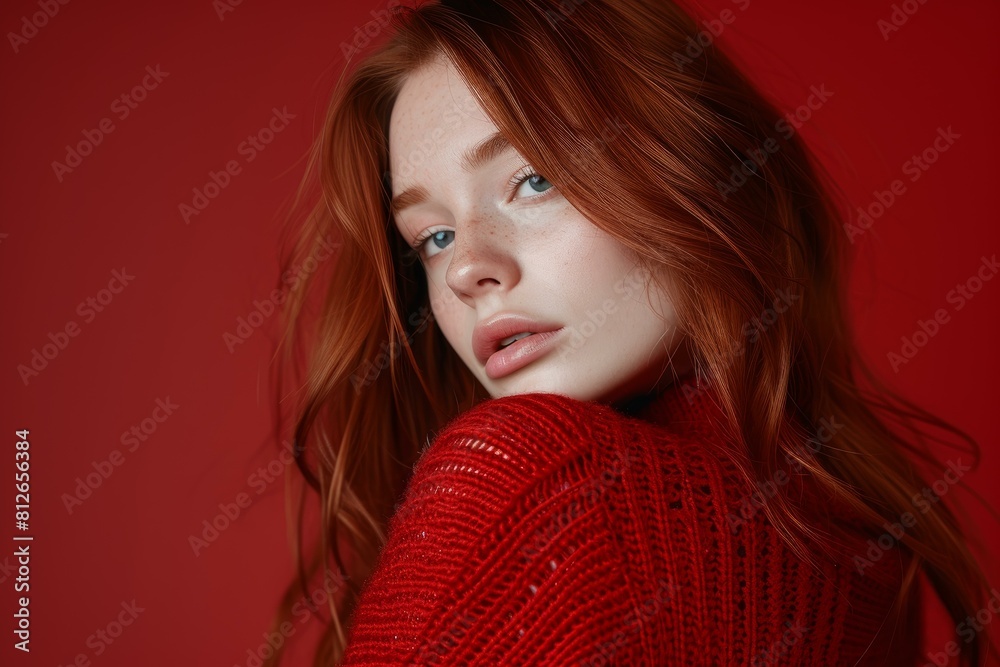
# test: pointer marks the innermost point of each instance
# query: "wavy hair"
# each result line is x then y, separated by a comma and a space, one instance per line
366, 377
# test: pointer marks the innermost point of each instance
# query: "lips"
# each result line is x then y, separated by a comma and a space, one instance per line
488, 334
516, 337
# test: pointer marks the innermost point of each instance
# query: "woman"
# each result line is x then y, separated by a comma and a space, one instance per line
587, 315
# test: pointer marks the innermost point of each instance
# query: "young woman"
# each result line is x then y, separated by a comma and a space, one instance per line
581, 387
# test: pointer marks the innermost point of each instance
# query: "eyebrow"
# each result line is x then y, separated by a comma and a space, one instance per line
482, 153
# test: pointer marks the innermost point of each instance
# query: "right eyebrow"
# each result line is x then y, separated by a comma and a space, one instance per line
485, 151
482, 153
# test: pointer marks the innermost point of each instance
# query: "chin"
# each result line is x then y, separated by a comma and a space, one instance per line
543, 381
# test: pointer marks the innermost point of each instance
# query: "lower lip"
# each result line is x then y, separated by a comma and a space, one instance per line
519, 354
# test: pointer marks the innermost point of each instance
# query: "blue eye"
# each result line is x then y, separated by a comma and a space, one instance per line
435, 238
533, 179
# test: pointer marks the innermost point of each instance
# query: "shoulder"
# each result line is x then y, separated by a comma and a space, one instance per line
505, 449
531, 433
504, 523
508, 453
567, 512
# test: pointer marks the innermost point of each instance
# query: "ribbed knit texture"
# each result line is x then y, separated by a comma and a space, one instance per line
543, 530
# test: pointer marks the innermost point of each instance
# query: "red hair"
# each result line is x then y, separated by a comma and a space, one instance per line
646, 149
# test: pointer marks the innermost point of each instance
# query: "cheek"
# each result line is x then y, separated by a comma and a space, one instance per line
601, 270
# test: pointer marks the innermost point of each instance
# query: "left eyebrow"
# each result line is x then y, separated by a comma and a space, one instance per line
481, 154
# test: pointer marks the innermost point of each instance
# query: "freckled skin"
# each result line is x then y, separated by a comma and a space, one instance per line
526, 250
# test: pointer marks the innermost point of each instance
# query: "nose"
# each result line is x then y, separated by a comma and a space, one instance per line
482, 260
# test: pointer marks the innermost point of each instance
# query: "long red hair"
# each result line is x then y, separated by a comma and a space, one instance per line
646, 146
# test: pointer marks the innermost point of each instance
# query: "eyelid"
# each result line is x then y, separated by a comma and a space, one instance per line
522, 175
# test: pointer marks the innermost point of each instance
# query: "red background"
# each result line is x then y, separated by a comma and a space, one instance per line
162, 336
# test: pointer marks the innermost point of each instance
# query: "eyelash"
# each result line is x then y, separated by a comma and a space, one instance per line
512, 185
520, 177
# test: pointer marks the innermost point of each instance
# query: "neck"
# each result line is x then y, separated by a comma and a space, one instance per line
635, 405
687, 400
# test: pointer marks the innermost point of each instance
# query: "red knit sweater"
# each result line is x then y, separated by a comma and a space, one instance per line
543, 530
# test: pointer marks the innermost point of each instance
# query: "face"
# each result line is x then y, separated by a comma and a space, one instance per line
498, 239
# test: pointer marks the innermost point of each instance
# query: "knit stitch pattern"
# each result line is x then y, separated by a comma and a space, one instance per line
538, 529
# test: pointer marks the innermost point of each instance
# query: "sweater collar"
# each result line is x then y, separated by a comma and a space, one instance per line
689, 403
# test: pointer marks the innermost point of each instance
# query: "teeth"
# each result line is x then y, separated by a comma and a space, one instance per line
510, 339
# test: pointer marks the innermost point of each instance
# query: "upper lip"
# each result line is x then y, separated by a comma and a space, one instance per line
488, 333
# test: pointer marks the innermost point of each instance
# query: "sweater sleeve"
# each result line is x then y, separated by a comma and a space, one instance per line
501, 551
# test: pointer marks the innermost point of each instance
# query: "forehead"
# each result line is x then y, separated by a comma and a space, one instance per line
428, 92
434, 119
